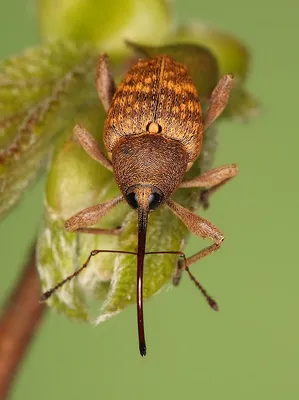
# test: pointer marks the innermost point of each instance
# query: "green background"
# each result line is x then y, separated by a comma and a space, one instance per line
250, 349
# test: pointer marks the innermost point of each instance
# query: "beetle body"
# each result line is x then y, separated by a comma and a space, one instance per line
153, 130
153, 134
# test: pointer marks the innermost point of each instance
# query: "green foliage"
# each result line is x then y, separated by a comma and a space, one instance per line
40, 93
231, 54
232, 57
105, 23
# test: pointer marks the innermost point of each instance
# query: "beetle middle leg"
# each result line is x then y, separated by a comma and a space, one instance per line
91, 146
211, 181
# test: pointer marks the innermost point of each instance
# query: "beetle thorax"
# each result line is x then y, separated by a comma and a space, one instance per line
149, 160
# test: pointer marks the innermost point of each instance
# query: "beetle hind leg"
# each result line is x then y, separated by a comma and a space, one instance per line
211, 181
219, 99
104, 81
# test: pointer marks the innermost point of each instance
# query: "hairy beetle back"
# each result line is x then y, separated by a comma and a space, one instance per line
160, 91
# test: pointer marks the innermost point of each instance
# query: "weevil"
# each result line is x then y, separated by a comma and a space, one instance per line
153, 134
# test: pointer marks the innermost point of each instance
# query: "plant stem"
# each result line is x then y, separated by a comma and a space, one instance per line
18, 324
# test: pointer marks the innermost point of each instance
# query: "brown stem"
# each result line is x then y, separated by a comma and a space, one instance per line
18, 324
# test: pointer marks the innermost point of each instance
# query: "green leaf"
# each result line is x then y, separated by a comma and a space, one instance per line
231, 53
105, 24
56, 256
232, 57
242, 104
40, 93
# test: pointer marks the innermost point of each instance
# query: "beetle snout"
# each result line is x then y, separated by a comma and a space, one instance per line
147, 161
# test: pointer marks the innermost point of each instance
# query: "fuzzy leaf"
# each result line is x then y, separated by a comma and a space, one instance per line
56, 257
40, 92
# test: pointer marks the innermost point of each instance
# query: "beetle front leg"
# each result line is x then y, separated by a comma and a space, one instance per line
185, 264
200, 227
91, 215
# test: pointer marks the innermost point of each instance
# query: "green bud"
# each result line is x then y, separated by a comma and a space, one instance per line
105, 24
231, 54
232, 57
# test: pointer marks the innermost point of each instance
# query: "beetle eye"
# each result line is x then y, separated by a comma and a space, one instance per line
132, 200
154, 200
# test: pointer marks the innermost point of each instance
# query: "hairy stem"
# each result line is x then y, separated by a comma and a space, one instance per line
18, 323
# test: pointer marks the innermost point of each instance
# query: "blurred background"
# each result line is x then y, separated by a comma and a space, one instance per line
250, 349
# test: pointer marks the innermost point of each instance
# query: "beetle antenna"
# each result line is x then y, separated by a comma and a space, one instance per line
46, 295
142, 227
212, 303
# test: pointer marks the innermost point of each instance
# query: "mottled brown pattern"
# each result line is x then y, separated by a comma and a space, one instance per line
156, 90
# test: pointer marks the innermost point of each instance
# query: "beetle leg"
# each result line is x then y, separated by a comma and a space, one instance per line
219, 99
213, 177
185, 264
91, 146
211, 181
91, 215
196, 224
200, 227
104, 81
182, 265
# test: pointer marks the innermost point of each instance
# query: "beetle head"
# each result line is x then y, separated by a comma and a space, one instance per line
149, 161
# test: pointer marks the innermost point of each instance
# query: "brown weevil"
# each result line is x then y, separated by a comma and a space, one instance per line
153, 134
